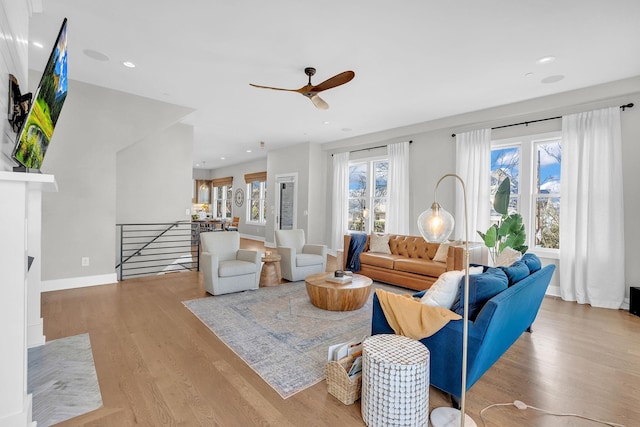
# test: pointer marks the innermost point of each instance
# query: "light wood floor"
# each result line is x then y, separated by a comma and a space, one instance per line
157, 365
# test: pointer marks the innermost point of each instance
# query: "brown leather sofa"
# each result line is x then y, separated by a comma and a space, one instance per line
410, 263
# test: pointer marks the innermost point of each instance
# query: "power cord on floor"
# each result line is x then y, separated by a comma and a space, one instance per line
522, 406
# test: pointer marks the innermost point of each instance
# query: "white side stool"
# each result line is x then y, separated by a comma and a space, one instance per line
395, 382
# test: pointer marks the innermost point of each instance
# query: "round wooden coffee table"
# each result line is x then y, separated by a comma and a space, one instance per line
336, 296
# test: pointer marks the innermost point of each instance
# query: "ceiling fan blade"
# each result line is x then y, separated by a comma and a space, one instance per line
319, 102
337, 80
274, 88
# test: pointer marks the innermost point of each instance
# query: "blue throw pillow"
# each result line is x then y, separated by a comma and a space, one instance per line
532, 261
516, 271
482, 287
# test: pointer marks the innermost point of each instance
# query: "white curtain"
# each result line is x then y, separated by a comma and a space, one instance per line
473, 165
592, 216
340, 201
397, 216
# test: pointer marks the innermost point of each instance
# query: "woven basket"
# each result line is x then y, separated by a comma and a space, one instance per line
339, 385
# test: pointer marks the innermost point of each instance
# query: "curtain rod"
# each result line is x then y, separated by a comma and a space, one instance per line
623, 107
372, 148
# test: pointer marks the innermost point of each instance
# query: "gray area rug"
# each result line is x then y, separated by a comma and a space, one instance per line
62, 378
280, 334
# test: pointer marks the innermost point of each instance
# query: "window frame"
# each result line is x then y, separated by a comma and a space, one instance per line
226, 190
262, 203
527, 191
370, 197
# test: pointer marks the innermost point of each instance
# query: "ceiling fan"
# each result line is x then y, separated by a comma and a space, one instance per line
311, 91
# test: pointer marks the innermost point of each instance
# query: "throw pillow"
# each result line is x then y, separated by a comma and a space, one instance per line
476, 270
532, 261
516, 272
379, 243
444, 290
507, 257
443, 250
482, 287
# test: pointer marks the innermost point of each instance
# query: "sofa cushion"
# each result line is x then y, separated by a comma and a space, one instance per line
378, 260
482, 287
425, 267
379, 243
516, 272
444, 291
532, 261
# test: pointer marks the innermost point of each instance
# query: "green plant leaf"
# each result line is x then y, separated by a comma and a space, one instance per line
491, 236
501, 199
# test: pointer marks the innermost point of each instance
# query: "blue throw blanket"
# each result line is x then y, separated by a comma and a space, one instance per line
356, 245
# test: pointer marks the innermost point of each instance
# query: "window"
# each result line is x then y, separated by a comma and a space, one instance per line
367, 190
257, 198
222, 197
532, 164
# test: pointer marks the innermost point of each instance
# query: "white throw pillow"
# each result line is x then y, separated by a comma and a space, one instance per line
476, 270
379, 243
507, 257
442, 252
443, 292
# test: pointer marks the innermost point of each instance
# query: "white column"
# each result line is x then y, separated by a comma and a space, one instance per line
15, 194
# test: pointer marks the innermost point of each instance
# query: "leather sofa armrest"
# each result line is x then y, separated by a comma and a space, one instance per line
455, 258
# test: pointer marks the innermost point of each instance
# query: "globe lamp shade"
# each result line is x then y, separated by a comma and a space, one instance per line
435, 224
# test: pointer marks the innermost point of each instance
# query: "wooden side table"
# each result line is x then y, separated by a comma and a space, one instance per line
270, 274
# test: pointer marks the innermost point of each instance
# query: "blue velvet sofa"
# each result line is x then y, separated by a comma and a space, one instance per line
496, 325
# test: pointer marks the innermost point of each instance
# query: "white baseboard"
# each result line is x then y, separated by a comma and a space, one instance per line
78, 282
35, 337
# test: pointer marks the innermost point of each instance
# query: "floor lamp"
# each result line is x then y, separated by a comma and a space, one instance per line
436, 225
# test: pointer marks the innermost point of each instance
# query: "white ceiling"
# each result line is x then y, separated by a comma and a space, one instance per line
415, 60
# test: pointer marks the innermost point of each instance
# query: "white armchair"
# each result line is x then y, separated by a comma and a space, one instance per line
227, 268
299, 259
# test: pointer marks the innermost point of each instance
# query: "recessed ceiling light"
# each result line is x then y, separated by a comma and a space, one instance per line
94, 54
197, 165
38, 45
546, 60
221, 158
248, 151
129, 64
326, 123
552, 79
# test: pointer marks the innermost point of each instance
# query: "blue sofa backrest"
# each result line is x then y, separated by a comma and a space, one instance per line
505, 317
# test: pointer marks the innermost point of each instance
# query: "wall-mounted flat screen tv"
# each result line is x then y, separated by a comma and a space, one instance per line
35, 135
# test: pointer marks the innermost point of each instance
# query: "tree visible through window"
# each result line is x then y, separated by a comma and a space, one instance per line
368, 195
533, 165
257, 209
222, 199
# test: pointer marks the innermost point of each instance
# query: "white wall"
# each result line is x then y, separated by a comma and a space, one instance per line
153, 177
79, 221
256, 232
433, 150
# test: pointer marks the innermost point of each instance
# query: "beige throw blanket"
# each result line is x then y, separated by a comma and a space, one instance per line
409, 317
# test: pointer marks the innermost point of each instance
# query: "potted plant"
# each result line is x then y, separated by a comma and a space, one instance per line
509, 231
